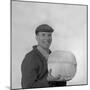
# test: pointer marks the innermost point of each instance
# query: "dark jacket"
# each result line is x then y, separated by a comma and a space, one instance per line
34, 70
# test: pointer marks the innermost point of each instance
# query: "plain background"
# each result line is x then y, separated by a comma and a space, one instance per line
5, 49
70, 28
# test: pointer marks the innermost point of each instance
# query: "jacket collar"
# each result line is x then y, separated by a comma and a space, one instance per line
40, 52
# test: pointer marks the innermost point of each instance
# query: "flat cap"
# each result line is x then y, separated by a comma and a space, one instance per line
44, 28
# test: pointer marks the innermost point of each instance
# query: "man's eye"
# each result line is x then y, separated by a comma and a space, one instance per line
43, 34
49, 35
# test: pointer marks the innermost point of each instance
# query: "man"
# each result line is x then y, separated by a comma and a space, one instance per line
34, 69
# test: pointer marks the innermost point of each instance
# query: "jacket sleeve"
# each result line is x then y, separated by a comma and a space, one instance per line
29, 71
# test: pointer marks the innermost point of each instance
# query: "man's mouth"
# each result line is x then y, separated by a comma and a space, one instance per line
47, 42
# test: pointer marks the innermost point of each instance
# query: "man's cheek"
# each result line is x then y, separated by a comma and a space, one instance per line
49, 41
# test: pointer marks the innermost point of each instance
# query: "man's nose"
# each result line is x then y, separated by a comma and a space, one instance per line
47, 37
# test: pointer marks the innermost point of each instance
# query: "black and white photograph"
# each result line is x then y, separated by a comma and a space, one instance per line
48, 44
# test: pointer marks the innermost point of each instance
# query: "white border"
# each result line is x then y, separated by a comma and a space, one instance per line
5, 43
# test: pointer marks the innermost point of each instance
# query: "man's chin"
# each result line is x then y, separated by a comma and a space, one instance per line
47, 47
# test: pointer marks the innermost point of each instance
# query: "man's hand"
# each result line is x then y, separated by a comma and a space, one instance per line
52, 78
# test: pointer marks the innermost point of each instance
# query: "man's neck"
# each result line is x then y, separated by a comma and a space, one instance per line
46, 49
44, 52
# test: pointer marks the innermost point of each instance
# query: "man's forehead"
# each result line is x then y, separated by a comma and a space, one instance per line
45, 32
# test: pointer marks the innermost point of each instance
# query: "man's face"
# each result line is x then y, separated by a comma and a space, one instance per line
44, 39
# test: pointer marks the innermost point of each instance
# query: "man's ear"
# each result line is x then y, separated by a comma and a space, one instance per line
37, 37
